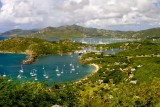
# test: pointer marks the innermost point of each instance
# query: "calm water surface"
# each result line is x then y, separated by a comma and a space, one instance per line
58, 68
10, 64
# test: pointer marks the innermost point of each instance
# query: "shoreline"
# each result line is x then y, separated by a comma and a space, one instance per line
93, 72
96, 67
29, 58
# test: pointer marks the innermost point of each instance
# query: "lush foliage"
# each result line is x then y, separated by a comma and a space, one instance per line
35, 47
32, 94
129, 78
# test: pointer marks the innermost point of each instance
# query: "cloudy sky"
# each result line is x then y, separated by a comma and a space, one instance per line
106, 14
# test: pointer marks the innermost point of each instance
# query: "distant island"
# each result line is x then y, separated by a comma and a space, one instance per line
75, 31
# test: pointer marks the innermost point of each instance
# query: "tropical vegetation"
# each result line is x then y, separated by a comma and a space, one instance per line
128, 78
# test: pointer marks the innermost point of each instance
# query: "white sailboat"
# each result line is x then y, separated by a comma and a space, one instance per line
46, 76
77, 66
43, 68
57, 69
62, 71
70, 64
4, 75
33, 73
73, 69
19, 76
21, 70
58, 74
36, 78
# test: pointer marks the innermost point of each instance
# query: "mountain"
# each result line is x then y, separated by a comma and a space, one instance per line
73, 31
79, 31
19, 32
153, 33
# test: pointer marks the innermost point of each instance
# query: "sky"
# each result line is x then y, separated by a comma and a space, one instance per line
104, 14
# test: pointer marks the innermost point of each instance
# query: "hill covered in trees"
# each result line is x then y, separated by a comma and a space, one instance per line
79, 31
19, 32
35, 47
129, 78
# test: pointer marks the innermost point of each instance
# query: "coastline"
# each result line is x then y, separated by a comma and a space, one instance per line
86, 77
96, 67
29, 59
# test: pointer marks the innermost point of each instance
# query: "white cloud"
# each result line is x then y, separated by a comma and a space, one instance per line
92, 13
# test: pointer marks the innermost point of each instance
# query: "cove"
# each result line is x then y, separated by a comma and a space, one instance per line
69, 68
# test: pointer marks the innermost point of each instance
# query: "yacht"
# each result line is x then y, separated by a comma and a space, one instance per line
36, 78
77, 66
62, 71
19, 76
46, 76
70, 64
44, 73
58, 74
73, 69
57, 69
33, 73
21, 70
4, 75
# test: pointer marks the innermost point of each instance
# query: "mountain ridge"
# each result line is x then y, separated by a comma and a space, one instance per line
71, 31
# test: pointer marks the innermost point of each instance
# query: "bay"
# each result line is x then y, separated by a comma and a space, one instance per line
10, 64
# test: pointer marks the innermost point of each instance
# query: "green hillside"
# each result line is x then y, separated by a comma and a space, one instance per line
35, 47
19, 32
129, 78
80, 32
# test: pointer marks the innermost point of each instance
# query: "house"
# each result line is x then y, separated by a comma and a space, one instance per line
133, 81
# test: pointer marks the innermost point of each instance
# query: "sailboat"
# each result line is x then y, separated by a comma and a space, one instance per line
33, 73
46, 76
77, 66
36, 78
62, 71
71, 64
58, 74
43, 68
21, 70
19, 76
44, 73
73, 69
4, 75
57, 69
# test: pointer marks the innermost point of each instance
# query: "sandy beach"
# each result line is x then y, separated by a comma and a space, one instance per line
95, 70
96, 66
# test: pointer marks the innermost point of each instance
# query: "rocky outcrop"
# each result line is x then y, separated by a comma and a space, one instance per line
30, 58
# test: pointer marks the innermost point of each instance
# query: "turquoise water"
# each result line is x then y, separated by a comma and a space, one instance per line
4, 37
10, 64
